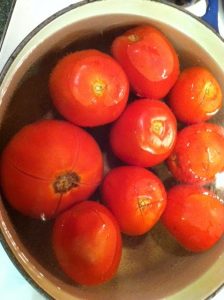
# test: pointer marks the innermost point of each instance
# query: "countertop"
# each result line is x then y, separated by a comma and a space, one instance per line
5, 6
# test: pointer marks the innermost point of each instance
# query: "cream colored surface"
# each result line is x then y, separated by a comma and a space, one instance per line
192, 39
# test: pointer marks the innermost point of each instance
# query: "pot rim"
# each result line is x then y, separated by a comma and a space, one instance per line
5, 70
51, 18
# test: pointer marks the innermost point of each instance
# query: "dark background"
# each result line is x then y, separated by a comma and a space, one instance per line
5, 6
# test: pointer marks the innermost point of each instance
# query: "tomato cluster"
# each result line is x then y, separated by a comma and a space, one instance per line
51, 168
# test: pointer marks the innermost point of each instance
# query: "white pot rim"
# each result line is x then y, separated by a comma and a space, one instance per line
62, 12
48, 22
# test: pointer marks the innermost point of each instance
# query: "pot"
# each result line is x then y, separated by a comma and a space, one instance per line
152, 266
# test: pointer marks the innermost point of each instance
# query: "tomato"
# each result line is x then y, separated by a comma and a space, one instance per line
149, 59
135, 196
198, 154
194, 216
87, 243
89, 88
49, 165
196, 95
145, 133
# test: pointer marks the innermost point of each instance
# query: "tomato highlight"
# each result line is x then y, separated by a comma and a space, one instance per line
149, 59
198, 153
145, 134
87, 243
194, 216
135, 196
89, 88
196, 95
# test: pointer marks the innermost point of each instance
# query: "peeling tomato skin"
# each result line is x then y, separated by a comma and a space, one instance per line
37, 156
138, 202
198, 153
196, 95
87, 243
149, 59
89, 88
145, 133
194, 216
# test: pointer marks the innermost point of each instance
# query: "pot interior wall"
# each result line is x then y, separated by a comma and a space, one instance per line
153, 266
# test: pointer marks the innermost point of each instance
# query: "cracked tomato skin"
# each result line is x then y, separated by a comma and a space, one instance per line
194, 216
149, 60
198, 153
89, 88
145, 133
138, 202
196, 96
87, 243
48, 166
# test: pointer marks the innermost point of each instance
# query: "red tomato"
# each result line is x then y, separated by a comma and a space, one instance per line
196, 96
87, 243
145, 133
49, 165
194, 216
149, 60
198, 154
135, 196
89, 88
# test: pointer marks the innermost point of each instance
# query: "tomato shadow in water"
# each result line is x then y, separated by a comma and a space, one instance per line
35, 236
31, 100
161, 170
165, 241
133, 242
101, 135
160, 238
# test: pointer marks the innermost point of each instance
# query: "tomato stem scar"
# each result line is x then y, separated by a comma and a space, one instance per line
157, 127
99, 87
133, 38
143, 201
65, 182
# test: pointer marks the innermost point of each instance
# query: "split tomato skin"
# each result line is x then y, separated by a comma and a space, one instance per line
196, 95
198, 153
135, 196
149, 60
89, 88
87, 243
145, 133
194, 216
48, 166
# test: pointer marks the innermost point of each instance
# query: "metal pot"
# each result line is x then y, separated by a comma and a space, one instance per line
152, 266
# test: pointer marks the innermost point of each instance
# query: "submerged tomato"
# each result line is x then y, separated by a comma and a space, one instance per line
89, 88
49, 165
145, 133
194, 216
87, 243
198, 154
196, 95
135, 196
149, 60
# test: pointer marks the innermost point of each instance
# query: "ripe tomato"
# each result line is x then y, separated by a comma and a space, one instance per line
149, 60
145, 133
194, 216
87, 243
135, 196
198, 154
89, 88
196, 95
49, 165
